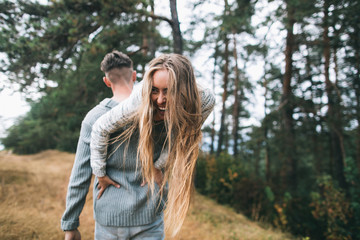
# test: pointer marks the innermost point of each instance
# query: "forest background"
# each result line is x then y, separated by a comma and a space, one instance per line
297, 61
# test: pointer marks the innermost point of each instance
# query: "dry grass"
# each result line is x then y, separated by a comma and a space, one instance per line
32, 200
209, 220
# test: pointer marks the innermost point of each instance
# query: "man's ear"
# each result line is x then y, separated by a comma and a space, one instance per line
107, 81
134, 76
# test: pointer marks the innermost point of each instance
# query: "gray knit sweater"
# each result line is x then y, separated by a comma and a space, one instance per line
81, 173
131, 204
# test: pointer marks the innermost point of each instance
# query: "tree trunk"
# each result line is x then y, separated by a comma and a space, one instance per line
224, 97
289, 170
357, 90
257, 157
178, 44
152, 45
357, 93
265, 133
236, 101
333, 114
212, 148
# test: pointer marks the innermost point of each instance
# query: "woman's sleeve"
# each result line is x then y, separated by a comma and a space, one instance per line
161, 161
109, 123
207, 105
207, 102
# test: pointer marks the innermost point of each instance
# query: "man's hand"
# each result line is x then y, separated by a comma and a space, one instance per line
72, 235
104, 182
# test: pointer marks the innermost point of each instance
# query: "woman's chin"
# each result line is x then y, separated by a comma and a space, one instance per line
159, 116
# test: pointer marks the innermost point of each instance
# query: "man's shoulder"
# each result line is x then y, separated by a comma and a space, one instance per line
97, 111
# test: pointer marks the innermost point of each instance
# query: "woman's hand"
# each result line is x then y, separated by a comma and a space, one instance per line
159, 178
104, 182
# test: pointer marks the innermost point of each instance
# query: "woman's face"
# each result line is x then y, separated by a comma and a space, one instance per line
158, 93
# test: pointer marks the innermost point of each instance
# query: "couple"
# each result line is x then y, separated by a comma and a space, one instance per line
147, 134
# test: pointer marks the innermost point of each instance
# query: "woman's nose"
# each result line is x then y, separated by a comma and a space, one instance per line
162, 98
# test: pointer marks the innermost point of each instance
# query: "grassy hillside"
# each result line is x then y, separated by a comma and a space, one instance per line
32, 200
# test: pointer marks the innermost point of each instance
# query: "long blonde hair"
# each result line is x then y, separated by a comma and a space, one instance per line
183, 122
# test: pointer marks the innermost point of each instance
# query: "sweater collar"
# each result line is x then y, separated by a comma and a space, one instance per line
109, 103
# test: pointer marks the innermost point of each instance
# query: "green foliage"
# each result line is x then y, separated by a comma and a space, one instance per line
269, 194
54, 120
331, 209
29, 136
353, 178
52, 123
224, 179
64, 42
323, 212
64, 30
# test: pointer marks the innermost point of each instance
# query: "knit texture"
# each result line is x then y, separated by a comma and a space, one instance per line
119, 115
131, 204
81, 173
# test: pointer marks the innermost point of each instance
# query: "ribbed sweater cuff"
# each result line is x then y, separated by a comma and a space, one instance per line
69, 225
99, 173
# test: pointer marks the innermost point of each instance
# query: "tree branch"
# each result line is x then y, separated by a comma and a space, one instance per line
153, 16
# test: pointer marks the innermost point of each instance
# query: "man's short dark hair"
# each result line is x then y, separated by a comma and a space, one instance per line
115, 59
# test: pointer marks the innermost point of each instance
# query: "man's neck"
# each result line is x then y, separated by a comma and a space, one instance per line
121, 92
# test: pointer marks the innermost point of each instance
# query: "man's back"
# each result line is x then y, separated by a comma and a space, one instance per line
81, 173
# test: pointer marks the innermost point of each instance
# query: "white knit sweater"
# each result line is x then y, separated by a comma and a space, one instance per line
118, 116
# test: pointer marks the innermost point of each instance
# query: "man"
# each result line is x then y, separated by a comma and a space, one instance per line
120, 77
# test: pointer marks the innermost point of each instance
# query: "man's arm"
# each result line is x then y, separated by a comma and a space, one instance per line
79, 182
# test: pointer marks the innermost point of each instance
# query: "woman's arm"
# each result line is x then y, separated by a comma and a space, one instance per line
207, 102
109, 123
118, 116
161, 161
207, 105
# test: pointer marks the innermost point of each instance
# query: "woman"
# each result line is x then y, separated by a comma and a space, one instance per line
167, 114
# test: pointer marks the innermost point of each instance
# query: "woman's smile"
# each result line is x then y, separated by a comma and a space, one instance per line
158, 93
